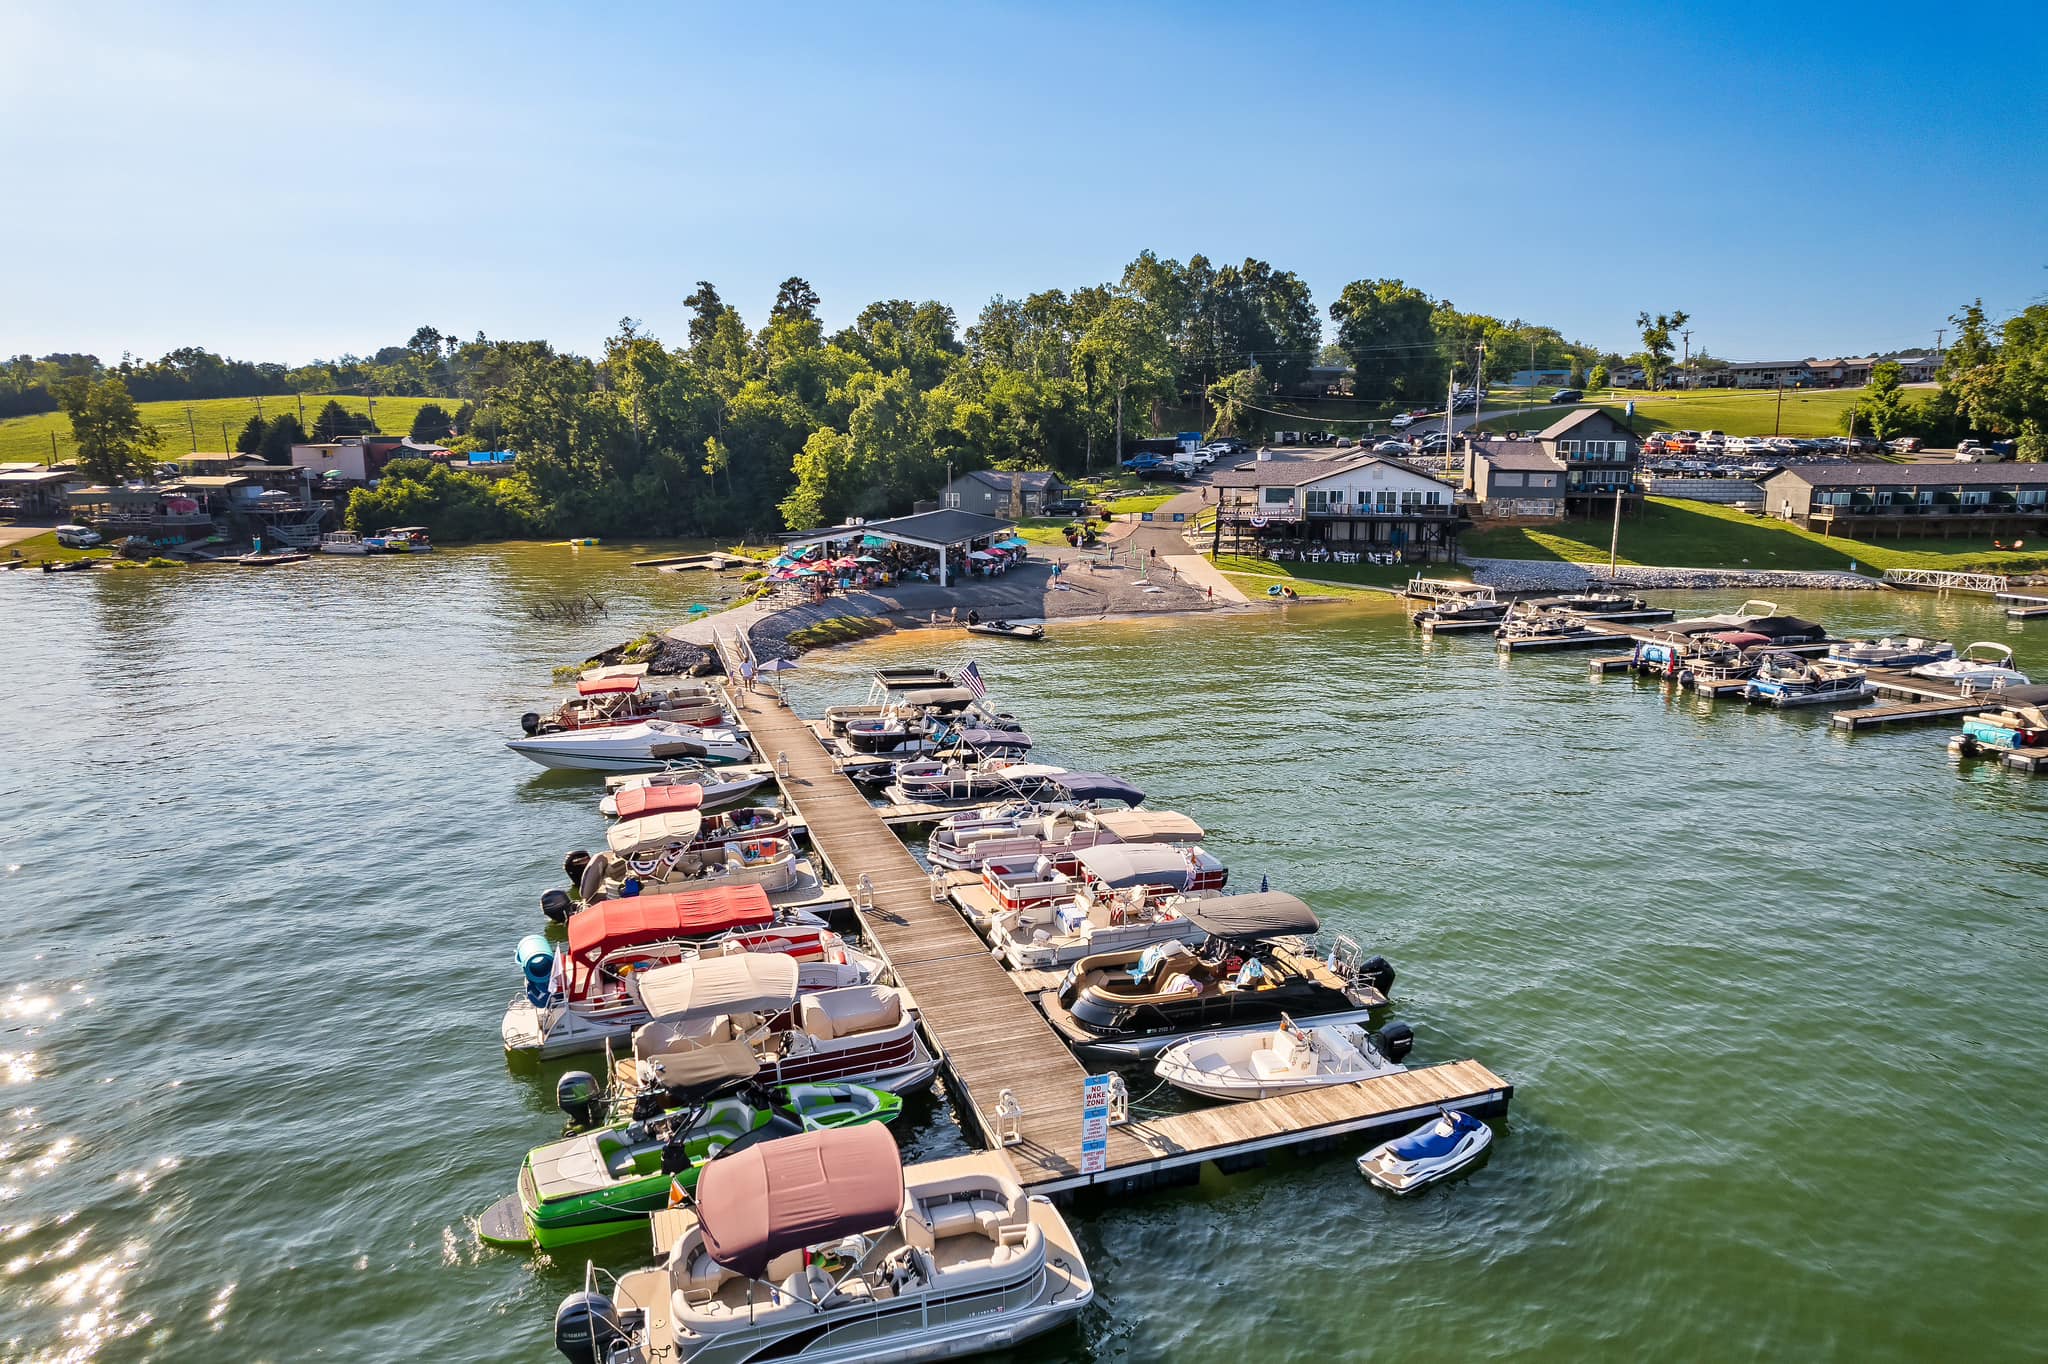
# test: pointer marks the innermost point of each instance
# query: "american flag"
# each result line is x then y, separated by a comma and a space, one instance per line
970, 678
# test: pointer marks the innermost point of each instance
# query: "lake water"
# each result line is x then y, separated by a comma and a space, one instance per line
1770, 994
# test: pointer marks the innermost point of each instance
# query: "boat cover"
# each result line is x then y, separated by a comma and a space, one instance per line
716, 1063
939, 697
607, 686
1268, 914
615, 670
635, 801
657, 918
993, 738
1100, 786
654, 831
1149, 826
743, 983
797, 1192
1119, 865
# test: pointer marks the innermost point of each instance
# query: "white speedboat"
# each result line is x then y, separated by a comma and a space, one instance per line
716, 787
635, 747
825, 1247
1445, 1146
1261, 1062
1984, 666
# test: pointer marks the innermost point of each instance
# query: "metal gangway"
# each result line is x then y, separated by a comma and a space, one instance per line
1945, 580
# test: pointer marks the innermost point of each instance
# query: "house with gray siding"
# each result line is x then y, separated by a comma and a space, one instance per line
1600, 456
1871, 497
1515, 478
1003, 492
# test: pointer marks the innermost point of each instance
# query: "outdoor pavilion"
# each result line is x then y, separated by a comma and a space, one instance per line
942, 532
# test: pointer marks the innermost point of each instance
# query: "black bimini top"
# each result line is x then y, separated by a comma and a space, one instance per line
1268, 914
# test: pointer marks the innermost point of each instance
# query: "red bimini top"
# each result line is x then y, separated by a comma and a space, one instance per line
657, 918
635, 801
607, 686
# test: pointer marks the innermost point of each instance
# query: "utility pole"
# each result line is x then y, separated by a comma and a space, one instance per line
302, 411
53, 448
190, 429
1940, 335
1478, 392
1614, 543
1686, 364
1777, 418
225, 444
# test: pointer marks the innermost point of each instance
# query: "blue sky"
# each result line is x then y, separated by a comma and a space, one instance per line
290, 181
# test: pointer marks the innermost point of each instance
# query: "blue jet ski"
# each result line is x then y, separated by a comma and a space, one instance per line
1444, 1146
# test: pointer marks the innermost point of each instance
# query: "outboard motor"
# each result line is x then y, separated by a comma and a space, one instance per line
1378, 972
586, 1328
536, 956
556, 905
576, 1095
649, 1104
1394, 1042
530, 723
573, 866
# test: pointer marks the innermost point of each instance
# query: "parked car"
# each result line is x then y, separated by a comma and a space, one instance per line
1392, 447
1904, 445
1976, 452
1066, 506
1434, 443
1144, 462
77, 537
1568, 395
1402, 422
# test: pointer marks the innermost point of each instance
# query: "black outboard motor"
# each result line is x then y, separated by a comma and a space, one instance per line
1378, 972
586, 1328
649, 1104
573, 866
1394, 1042
556, 905
576, 1094
530, 722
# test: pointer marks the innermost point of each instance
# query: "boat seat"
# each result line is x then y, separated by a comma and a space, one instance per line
846, 1012
1272, 1065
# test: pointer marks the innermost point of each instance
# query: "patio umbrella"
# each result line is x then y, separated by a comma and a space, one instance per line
867, 559
778, 665
873, 541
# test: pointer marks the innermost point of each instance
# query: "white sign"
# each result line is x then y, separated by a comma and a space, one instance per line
1094, 1124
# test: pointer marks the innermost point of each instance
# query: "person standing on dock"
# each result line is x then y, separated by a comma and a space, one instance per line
747, 674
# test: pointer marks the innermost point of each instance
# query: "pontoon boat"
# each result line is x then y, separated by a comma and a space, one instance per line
717, 786
1908, 652
635, 747
1789, 680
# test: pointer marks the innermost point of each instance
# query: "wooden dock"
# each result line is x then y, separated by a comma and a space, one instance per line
991, 1039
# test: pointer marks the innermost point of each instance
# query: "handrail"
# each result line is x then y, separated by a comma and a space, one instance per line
1947, 578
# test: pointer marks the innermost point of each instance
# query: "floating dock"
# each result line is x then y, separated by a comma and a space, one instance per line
991, 1039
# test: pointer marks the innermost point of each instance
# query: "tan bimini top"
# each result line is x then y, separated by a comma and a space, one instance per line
654, 831
743, 983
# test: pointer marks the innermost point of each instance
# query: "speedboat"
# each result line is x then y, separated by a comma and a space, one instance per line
1983, 666
1908, 652
1443, 1146
1254, 970
1262, 1062
1789, 680
864, 1033
969, 842
825, 1247
585, 993
1006, 630
715, 786
1756, 616
1102, 870
596, 1183
635, 747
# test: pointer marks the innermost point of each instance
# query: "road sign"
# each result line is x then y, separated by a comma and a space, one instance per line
1094, 1124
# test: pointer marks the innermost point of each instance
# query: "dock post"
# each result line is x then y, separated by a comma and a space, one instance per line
1008, 1115
937, 878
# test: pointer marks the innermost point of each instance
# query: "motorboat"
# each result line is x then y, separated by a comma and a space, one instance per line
1255, 969
613, 700
343, 542
864, 1033
599, 1182
634, 747
1443, 1146
1028, 831
1057, 933
1021, 781
275, 558
1005, 630
1258, 1063
400, 540
1983, 666
826, 1247
1910, 651
1755, 616
716, 787
1789, 680
584, 993
733, 824
1103, 869
662, 853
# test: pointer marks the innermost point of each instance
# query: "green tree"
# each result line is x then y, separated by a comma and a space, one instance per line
251, 439
1598, 378
2032, 447
1882, 408
333, 420
113, 442
431, 423
1577, 378
1657, 343
795, 300
1232, 398
1389, 331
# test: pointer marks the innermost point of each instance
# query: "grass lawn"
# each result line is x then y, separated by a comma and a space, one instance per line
1675, 534
25, 439
1044, 530
1254, 585
1140, 502
1737, 411
1372, 575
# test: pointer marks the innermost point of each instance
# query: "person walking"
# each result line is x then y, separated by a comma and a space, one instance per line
747, 674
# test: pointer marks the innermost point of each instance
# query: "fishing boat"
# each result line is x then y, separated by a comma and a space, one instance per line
1027, 831
1983, 666
1258, 1063
1443, 1146
657, 791
343, 542
1255, 968
661, 852
1789, 680
584, 993
597, 1183
864, 1033
633, 747
1908, 652
825, 1247
1105, 868
1005, 630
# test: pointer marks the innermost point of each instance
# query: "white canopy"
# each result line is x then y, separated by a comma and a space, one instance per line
654, 831
1150, 826
743, 983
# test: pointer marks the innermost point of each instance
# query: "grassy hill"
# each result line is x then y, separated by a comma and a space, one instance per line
1676, 534
28, 438
1737, 411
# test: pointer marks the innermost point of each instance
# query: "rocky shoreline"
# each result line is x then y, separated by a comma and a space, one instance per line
1542, 575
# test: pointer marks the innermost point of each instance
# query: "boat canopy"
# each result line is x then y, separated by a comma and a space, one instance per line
993, 738
1118, 865
634, 801
654, 831
716, 1064
1268, 914
743, 983
954, 697
607, 686
798, 1192
642, 919
1149, 826
1100, 786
